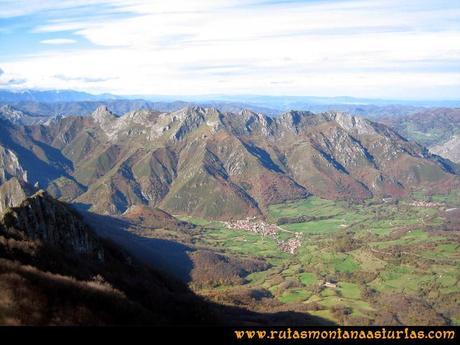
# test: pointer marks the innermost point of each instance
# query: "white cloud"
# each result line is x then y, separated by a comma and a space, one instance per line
58, 41
364, 48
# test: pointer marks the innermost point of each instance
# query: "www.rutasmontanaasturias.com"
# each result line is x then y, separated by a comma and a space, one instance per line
339, 333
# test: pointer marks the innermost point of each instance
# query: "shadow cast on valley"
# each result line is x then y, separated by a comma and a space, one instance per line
173, 259
168, 256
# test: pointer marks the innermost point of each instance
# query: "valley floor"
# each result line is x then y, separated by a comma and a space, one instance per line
382, 262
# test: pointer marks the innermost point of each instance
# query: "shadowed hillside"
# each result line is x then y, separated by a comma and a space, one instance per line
54, 270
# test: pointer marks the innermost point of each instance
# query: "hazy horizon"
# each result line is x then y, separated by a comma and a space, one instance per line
341, 99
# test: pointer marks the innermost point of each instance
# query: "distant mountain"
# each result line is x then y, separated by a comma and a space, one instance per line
50, 96
69, 102
438, 129
284, 103
18, 117
83, 108
39, 111
203, 162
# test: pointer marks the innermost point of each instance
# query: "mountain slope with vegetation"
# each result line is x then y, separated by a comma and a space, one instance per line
200, 161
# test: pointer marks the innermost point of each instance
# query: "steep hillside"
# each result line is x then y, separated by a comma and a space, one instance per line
450, 149
438, 129
55, 270
32, 160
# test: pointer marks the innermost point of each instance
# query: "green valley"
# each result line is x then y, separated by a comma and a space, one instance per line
357, 262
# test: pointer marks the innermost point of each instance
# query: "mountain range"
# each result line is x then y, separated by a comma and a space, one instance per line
204, 162
51, 103
273, 102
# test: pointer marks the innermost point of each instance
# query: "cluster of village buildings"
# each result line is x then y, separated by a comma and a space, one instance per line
267, 230
291, 245
426, 204
258, 227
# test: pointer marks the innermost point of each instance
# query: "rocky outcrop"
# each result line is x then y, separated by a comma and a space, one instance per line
42, 218
10, 166
13, 192
105, 119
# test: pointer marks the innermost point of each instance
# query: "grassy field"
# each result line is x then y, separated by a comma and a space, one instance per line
374, 252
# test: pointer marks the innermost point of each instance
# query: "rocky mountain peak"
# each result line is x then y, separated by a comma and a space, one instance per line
250, 115
105, 119
6, 107
196, 111
102, 114
293, 118
192, 117
247, 121
350, 122
138, 115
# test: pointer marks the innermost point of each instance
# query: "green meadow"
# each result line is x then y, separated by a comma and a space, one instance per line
370, 254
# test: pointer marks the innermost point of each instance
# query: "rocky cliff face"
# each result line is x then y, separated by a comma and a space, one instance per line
10, 166
13, 192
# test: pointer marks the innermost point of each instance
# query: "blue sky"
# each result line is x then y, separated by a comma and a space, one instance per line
385, 49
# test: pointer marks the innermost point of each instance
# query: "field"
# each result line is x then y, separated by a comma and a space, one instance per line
379, 262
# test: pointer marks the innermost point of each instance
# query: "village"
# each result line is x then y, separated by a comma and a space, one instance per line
291, 245
268, 230
426, 204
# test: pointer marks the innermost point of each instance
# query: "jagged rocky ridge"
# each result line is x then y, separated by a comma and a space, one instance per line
201, 161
